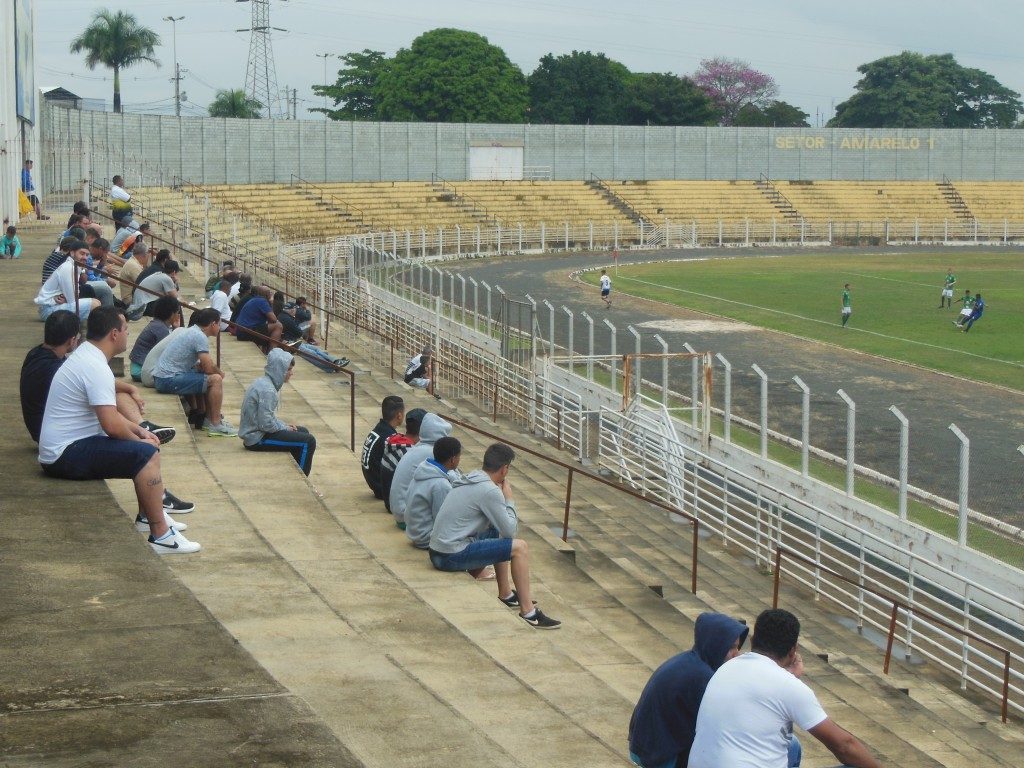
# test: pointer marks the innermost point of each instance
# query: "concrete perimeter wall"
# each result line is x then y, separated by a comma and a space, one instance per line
151, 148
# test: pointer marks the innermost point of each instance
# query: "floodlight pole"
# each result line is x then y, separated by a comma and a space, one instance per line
325, 57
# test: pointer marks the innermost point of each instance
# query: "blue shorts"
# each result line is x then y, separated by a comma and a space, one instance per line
101, 458
84, 308
188, 383
605, 291
485, 549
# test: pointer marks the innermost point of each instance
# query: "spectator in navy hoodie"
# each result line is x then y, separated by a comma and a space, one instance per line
664, 721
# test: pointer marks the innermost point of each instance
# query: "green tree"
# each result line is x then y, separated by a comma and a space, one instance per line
116, 40
913, 90
579, 88
778, 114
451, 76
667, 99
234, 103
354, 93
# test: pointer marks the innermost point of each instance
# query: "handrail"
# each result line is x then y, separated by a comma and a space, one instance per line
694, 522
643, 219
280, 344
897, 605
776, 194
477, 205
362, 214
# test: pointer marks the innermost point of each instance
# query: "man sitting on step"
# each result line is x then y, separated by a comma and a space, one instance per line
665, 718
476, 527
431, 482
60, 339
747, 714
84, 437
392, 411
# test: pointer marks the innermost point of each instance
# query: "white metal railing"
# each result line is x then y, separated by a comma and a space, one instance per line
759, 518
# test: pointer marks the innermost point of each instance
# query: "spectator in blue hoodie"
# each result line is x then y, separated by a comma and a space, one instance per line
665, 719
260, 428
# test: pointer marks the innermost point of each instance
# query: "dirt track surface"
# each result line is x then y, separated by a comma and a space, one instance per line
992, 418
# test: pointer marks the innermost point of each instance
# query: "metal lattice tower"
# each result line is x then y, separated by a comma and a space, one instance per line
260, 74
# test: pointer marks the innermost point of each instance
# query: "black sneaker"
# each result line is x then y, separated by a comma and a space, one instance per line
512, 601
540, 621
175, 506
164, 434
342, 362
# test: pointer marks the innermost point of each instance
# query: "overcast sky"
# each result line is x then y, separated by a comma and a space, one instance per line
811, 48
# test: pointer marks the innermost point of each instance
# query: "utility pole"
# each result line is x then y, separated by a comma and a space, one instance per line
177, 70
295, 103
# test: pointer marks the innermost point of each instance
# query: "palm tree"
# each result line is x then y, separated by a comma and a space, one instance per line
234, 103
116, 40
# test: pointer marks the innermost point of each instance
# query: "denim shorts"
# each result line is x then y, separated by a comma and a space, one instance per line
188, 383
101, 458
485, 549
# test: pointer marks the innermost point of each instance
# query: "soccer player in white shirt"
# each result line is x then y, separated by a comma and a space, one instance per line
606, 288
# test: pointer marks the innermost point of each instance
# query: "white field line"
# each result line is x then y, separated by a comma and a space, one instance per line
820, 322
936, 286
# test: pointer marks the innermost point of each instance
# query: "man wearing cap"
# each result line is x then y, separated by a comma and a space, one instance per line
58, 291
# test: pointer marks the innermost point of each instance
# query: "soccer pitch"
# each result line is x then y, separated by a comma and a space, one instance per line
895, 299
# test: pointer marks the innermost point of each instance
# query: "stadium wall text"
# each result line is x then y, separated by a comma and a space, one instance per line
229, 151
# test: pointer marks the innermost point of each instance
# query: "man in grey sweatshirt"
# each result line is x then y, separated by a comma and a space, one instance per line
432, 429
476, 526
430, 485
260, 428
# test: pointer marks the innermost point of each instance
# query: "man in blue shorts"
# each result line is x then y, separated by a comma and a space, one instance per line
977, 310
476, 526
186, 368
83, 436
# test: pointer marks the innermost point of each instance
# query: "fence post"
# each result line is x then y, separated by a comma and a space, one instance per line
476, 305
727, 391
612, 334
551, 326
764, 409
664, 369
965, 474
206, 237
543, 237
851, 426
694, 383
590, 345
636, 363
805, 427
488, 289
458, 241
462, 296
520, 249
571, 350
590, 232
904, 454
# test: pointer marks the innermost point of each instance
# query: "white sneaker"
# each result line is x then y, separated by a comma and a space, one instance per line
174, 543
224, 429
142, 523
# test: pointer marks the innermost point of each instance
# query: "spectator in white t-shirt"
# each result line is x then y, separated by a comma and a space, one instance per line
57, 292
219, 298
120, 201
747, 714
84, 437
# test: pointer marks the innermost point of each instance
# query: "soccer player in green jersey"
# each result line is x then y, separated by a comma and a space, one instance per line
847, 309
947, 290
968, 306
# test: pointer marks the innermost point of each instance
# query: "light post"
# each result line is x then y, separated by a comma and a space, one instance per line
325, 57
177, 74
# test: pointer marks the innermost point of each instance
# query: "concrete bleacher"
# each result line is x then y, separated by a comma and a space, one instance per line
699, 201
993, 200
356, 641
868, 201
552, 202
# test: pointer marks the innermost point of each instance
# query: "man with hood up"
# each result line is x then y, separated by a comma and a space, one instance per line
260, 428
432, 429
664, 721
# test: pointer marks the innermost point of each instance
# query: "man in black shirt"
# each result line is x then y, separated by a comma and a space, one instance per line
392, 411
56, 258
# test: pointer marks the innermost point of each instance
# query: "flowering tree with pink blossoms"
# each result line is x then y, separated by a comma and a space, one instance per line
733, 84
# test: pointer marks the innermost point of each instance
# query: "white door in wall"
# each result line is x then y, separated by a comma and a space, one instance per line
496, 162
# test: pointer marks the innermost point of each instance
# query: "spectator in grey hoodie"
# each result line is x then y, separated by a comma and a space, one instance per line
430, 484
476, 526
432, 429
260, 429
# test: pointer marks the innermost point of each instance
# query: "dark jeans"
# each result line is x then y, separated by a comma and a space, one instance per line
299, 443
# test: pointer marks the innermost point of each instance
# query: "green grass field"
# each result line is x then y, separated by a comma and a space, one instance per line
895, 303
